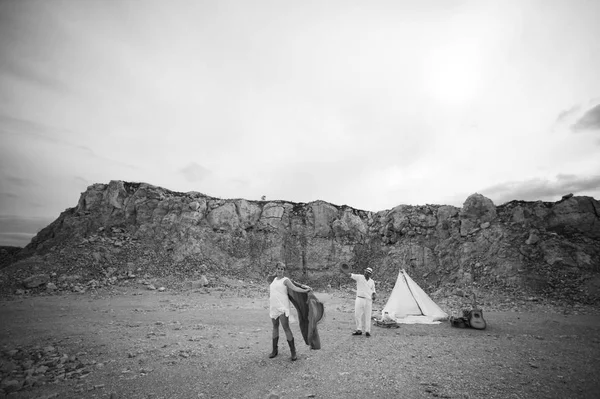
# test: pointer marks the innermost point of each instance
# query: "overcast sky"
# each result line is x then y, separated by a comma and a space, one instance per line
371, 104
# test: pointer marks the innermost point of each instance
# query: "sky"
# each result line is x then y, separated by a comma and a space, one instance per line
369, 104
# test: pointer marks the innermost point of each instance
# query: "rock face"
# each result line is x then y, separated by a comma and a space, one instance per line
537, 246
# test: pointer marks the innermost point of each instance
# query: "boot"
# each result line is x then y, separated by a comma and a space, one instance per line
292, 349
274, 353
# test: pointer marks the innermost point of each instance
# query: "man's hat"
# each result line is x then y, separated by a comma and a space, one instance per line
369, 270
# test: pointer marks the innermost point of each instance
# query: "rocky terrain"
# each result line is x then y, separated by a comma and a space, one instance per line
141, 292
128, 341
123, 230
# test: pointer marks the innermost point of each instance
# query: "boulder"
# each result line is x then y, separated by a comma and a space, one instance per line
322, 215
202, 282
36, 280
224, 217
476, 210
576, 215
271, 215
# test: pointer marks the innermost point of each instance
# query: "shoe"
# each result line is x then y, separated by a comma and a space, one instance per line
292, 349
274, 353
357, 332
368, 335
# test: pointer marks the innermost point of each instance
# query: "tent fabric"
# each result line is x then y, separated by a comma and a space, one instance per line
409, 304
417, 320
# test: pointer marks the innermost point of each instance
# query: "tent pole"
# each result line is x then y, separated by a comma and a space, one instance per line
411, 293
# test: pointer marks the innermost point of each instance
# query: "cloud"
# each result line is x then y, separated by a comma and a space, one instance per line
28, 73
10, 125
590, 120
66, 138
19, 230
15, 239
566, 114
21, 182
11, 197
8, 195
542, 189
194, 172
80, 180
20, 30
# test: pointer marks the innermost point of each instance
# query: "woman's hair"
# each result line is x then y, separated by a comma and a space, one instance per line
279, 264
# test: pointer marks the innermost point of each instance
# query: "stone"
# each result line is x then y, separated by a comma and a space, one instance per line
224, 217
202, 282
8, 385
248, 213
36, 280
533, 238
576, 214
271, 215
321, 215
69, 278
41, 370
6, 367
476, 210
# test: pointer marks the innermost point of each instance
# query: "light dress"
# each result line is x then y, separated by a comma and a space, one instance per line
278, 299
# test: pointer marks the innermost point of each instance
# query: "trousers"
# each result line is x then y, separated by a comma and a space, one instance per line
362, 313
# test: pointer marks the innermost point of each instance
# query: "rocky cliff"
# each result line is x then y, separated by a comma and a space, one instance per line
537, 247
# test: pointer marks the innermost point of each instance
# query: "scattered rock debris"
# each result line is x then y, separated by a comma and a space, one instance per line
25, 367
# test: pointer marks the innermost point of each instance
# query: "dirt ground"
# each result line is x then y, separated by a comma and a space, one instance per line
214, 342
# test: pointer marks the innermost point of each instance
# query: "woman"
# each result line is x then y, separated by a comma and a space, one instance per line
279, 308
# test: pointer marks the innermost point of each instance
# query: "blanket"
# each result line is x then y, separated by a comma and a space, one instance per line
310, 312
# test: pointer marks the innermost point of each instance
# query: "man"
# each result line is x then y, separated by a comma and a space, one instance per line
365, 294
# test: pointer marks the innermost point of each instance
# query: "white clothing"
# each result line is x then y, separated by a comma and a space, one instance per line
364, 288
362, 314
279, 303
364, 302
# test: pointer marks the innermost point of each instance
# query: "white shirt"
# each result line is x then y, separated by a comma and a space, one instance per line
364, 288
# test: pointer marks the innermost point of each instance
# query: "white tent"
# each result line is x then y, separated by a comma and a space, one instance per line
409, 304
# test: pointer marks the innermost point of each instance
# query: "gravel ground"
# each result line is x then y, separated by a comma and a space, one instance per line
213, 343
